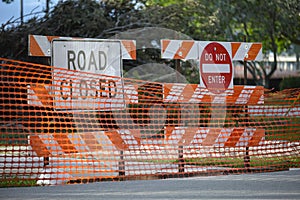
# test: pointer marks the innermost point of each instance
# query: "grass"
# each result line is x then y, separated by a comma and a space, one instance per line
280, 128
16, 182
237, 162
255, 161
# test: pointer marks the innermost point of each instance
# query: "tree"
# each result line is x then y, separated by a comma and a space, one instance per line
66, 19
274, 23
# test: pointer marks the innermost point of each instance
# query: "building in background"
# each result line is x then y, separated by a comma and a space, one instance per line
287, 66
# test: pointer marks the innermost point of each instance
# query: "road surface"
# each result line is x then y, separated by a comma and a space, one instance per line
275, 185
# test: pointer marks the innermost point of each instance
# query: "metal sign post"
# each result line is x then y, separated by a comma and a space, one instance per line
247, 156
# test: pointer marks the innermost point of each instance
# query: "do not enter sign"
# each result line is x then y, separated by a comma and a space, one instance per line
216, 70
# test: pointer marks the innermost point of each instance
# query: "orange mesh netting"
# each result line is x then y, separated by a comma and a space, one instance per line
61, 126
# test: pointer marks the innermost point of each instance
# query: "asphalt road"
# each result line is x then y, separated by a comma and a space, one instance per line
275, 185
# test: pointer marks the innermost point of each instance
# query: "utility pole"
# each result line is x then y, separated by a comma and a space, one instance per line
47, 7
21, 12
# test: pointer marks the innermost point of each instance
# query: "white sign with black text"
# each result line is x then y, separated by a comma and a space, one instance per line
87, 74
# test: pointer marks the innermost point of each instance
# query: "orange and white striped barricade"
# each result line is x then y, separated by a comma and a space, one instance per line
194, 93
190, 49
179, 49
103, 149
237, 98
40, 45
197, 137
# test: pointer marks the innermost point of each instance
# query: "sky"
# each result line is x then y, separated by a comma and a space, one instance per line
13, 9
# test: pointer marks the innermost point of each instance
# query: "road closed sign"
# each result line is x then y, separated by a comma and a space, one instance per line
216, 69
87, 74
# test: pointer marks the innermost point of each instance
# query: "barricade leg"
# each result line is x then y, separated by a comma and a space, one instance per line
247, 160
121, 164
180, 159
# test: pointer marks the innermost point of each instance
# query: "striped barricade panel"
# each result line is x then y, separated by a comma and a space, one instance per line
40, 45
219, 137
126, 140
246, 51
88, 154
179, 49
193, 93
38, 146
40, 95
87, 142
190, 49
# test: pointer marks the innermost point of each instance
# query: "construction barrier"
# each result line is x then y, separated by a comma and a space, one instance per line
88, 127
190, 49
40, 45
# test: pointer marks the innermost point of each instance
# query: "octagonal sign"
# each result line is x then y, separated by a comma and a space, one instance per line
216, 69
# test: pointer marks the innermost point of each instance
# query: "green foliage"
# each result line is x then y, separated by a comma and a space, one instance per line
271, 22
274, 23
237, 162
15, 181
292, 82
163, 3
84, 18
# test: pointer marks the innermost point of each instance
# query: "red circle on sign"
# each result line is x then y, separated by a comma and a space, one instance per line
216, 67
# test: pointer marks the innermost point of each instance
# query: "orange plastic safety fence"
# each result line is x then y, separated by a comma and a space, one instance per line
60, 126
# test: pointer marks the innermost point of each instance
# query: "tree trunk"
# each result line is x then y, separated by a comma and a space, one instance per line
267, 81
297, 52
